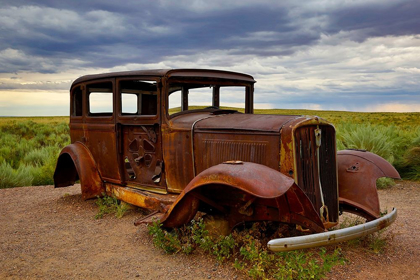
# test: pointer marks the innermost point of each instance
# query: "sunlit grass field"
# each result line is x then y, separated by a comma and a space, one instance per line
29, 146
401, 120
43, 120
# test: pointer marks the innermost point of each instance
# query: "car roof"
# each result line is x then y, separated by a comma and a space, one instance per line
179, 73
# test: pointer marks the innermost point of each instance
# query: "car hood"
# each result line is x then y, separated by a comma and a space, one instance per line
266, 123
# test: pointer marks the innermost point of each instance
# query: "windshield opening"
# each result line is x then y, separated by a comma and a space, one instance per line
187, 97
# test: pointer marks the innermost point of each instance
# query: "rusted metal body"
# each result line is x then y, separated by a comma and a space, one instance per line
244, 191
218, 161
77, 163
362, 168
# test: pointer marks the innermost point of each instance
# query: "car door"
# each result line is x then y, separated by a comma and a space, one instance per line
98, 130
138, 126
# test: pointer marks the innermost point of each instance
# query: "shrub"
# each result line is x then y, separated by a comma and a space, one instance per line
246, 251
374, 242
409, 165
29, 150
11, 178
384, 183
400, 147
110, 205
162, 239
379, 139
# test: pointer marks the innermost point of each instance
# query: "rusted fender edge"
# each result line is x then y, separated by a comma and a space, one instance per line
255, 179
76, 162
358, 171
331, 237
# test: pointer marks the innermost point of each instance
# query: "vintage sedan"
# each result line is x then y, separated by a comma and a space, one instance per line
167, 140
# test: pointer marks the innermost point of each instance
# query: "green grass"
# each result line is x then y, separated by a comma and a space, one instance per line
374, 243
44, 120
405, 121
401, 120
246, 251
110, 205
29, 146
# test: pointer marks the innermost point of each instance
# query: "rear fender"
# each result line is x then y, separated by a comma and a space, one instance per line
357, 174
76, 162
228, 187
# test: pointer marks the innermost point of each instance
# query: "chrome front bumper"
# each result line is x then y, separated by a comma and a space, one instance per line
331, 237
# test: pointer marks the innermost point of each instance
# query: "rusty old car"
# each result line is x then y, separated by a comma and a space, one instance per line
165, 140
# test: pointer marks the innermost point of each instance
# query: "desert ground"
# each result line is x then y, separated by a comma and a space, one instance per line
48, 233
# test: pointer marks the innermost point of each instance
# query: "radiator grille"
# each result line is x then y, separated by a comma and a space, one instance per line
218, 151
307, 167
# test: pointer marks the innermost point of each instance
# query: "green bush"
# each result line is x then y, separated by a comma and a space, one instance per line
110, 205
29, 151
247, 252
399, 146
409, 164
19, 177
31, 145
376, 139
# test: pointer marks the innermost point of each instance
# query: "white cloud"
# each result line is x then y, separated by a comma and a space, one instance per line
412, 70
325, 71
333, 65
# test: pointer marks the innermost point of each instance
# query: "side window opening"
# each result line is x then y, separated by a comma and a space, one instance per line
100, 99
130, 103
77, 98
138, 97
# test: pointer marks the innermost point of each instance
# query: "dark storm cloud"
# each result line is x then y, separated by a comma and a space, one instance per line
107, 33
152, 33
326, 53
371, 20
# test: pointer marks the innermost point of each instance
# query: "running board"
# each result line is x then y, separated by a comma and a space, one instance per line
140, 198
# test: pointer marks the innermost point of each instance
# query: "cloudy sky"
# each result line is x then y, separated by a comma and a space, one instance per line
321, 54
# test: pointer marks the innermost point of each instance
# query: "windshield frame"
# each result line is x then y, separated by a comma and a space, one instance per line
206, 82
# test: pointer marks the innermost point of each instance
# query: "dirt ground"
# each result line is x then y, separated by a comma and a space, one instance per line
48, 233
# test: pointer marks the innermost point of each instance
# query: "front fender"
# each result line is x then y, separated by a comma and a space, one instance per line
76, 162
258, 183
357, 174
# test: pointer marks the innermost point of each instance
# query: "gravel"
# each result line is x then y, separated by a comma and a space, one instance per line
48, 233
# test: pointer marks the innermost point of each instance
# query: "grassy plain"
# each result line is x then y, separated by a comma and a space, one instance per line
29, 146
400, 120
44, 120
